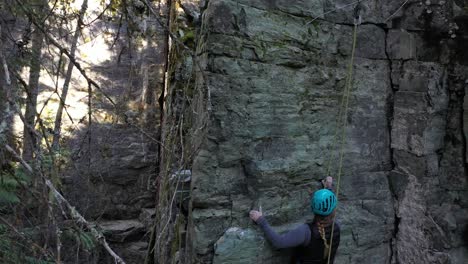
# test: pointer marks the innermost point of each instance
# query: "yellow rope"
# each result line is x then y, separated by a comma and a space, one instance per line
345, 101
331, 155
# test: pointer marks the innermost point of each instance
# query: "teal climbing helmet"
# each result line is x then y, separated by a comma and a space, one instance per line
323, 202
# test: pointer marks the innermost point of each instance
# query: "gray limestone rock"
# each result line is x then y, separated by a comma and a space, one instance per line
247, 246
147, 217
121, 230
238, 246
401, 45
115, 179
276, 75
131, 252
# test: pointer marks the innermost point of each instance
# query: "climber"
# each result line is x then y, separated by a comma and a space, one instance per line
312, 240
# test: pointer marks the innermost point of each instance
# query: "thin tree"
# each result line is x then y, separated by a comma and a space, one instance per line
5, 83
66, 84
29, 142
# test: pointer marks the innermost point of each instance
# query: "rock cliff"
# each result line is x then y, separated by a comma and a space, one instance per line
275, 72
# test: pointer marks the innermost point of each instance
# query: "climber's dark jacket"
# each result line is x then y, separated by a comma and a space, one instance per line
306, 238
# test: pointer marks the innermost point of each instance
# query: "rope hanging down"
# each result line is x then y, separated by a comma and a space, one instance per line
341, 119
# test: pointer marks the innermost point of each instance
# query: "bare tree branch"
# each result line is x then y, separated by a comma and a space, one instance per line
30, 143
5, 68
57, 195
73, 212
63, 50
25, 86
66, 84
21, 234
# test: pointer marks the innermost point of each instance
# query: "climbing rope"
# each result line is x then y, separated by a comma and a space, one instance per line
341, 120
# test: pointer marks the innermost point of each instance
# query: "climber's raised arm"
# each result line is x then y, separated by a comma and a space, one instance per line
296, 237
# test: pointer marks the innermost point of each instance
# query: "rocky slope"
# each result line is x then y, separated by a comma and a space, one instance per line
275, 76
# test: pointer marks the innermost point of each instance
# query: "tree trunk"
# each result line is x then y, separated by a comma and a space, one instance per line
66, 84
30, 141
8, 67
5, 88
156, 253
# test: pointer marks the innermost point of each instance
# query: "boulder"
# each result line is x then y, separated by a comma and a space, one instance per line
122, 230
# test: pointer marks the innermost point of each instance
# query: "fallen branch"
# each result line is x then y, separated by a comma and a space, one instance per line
73, 212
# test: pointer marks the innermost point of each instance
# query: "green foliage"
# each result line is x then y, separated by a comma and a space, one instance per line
12, 251
54, 162
32, 260
9, 185
81, 237
114, 7
188, 37
8, 197
48, 121
47, 162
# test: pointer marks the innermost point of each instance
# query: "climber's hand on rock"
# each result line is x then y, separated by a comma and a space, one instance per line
255, 215
327, 182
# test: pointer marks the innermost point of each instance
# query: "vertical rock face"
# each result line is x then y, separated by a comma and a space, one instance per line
276, 75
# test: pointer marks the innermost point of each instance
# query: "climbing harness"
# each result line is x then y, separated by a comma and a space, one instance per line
342, 117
